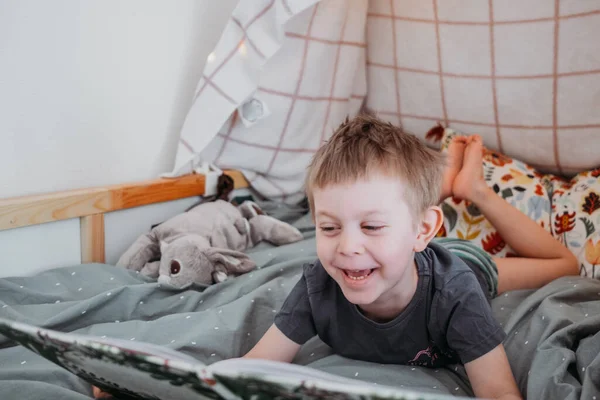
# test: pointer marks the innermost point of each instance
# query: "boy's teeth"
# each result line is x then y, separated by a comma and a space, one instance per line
358, 274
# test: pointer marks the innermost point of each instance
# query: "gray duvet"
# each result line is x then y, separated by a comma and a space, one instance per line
553, 333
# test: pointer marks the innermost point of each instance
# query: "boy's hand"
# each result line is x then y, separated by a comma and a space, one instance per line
274, 345
99, 394
499, 384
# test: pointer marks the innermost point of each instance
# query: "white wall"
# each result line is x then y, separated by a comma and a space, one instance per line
91, 93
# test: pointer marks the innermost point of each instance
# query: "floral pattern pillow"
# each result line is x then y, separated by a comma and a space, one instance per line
516, 182
576, 218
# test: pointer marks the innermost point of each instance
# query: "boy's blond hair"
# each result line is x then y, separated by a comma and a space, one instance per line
364, 145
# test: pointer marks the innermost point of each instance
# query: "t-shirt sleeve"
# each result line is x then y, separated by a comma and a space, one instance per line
464, 313
295, 319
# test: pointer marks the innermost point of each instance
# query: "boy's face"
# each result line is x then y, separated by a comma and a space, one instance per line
366, 236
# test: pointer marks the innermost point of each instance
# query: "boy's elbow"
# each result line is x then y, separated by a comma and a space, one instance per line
571, 263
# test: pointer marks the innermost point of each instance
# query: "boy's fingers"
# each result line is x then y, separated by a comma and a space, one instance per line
99, 394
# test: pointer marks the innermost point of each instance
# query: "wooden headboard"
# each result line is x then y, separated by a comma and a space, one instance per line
89, 205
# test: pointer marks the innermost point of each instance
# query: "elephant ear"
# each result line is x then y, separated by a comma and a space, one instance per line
235, 262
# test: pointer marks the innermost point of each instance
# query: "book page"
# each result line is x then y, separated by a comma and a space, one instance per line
274, 368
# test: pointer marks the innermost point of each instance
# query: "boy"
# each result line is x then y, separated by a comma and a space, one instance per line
381, 290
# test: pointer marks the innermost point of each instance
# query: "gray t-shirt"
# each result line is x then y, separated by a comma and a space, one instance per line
448, 320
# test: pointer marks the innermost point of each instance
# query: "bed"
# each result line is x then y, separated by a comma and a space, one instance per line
553, 333
283, 75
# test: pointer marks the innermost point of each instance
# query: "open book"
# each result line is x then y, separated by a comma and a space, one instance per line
135, 370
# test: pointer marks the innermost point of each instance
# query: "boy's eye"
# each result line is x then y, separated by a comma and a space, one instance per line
327, 228
372, 227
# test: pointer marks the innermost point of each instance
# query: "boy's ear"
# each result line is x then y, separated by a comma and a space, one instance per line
431, 221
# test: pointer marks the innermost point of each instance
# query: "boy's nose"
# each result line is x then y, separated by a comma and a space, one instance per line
350, 244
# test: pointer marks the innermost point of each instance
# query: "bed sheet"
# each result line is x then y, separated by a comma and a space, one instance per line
553, 333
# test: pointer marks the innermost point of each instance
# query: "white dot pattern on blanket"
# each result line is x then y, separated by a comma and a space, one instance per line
4, 306
356, 374
83, 312
193, 342
57, 283
173, 341
141, 302
582, 369
213, 354
181, 297
112, 278
79, 290
103, 336
527, 341
132, 338
108, 294
456, 388
435, 387
23, 362
216, 328
22, 287
187, 317
57, 301
117, 321
72, 273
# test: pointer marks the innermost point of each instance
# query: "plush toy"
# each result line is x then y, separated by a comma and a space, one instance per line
205, 244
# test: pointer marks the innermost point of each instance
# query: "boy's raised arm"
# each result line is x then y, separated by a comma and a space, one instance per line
491, 377
275, 346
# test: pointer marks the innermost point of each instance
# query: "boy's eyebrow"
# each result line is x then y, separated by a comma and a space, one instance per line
364, 214
324, 214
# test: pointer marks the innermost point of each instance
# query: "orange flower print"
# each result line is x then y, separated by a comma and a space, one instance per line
595, 173
498, 159
441, 232
564, 223
493, 243
506, 177
436, 133
592, 254
566, 185
538, 190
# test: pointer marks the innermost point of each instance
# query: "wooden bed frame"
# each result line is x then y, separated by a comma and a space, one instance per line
90, 205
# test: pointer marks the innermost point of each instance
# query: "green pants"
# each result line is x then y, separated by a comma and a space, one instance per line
472, 254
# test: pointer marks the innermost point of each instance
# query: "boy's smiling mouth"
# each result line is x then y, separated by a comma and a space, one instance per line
356, 276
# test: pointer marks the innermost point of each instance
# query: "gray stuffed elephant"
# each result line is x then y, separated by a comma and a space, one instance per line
205, 244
